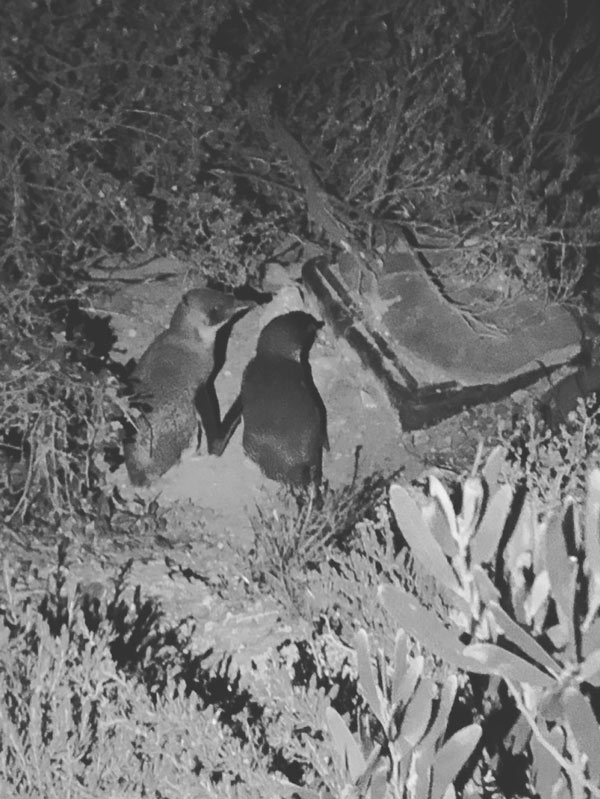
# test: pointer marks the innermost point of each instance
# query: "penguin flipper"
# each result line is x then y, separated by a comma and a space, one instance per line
218, 433
231, 421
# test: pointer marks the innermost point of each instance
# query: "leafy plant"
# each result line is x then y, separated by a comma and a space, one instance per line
553, 461
548, 568
57, 419
413, 712
100, 694
295, 536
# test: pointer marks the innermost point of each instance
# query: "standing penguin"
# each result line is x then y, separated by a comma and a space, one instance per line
285, 421
181, 362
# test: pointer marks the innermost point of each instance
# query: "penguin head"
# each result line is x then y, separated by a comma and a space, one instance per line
288, 336
202, 312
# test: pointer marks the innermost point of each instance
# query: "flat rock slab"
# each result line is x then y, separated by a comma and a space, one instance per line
433, 357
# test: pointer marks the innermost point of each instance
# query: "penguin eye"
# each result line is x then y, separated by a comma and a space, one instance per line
217, 314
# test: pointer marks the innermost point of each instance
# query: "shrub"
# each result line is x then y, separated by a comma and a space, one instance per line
477, 120
99, 694
120, 119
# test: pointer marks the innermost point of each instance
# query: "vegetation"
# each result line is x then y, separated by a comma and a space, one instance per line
450, 642
470, 667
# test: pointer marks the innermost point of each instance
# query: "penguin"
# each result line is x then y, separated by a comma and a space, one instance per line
174, 381
285, 420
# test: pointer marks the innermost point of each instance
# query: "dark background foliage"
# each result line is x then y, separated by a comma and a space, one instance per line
125, 125
126, 131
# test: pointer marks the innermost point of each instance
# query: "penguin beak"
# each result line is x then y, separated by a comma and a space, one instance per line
231, 312
245, 304
240, 309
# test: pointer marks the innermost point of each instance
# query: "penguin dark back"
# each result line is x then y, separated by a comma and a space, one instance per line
285, 420
167, 378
